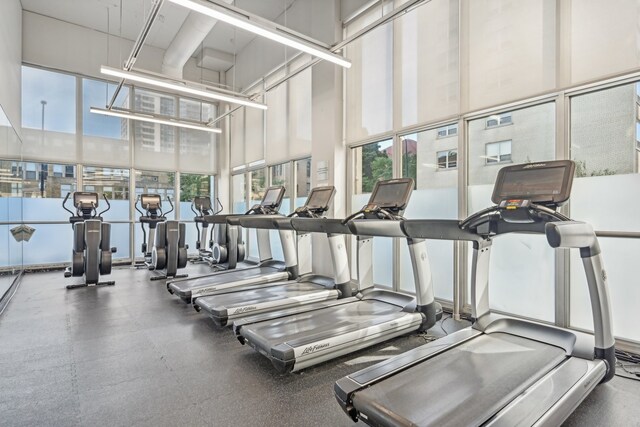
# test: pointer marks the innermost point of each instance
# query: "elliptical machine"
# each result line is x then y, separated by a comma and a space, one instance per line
164, 245
91, 255
201, 206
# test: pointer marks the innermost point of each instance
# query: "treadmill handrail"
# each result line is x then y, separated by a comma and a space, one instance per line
320, 225
256, 221
376, 227
438, 229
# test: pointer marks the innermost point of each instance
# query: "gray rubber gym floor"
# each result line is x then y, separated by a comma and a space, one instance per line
134, 355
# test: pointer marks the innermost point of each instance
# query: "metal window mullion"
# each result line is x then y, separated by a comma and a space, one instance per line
132, 213
562, 257
396, 164
460, 249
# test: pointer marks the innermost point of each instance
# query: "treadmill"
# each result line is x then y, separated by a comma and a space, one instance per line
270, 269
501, 371
307, 289
304, 336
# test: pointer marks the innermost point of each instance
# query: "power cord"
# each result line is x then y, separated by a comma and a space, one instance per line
632, 366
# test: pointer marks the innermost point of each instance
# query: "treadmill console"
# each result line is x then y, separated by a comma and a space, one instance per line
388, 199
270, 201
542, 183
317, 203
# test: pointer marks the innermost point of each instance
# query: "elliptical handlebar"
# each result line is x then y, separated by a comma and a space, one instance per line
64, 202
170, 204
135, 205
218, 204
104, 196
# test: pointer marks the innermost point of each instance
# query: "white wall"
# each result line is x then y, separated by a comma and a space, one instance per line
52, 43
11, 59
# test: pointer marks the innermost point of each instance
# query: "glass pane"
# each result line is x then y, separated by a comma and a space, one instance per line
621, 263
156, 182
48, 100
281, 175
11, 173
303, 181
43, 191
372, 162
113, 183
604, 141
48, 115
192, 185
238, 190
428, 57
435, 196
522, 266
369, 85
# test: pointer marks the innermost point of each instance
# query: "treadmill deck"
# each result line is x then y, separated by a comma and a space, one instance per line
482, 376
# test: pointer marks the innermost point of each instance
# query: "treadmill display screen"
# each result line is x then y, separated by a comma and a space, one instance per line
272, 197
392, 193
543, 182
319, 198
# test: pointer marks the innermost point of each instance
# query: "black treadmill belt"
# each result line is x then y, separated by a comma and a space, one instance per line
462, 387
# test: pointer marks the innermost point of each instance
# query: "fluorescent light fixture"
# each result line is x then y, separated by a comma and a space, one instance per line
153, 118
246, 23
177, 87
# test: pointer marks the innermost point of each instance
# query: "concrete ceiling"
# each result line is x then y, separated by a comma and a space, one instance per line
106, 16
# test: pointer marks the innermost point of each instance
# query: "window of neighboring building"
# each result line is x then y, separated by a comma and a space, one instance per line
445, 131
498, 152
499, 120
447, 159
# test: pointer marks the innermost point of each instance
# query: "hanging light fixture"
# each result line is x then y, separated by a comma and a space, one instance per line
229, 15
153, 118
224, 96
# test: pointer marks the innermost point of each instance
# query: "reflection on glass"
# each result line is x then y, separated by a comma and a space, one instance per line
372, 162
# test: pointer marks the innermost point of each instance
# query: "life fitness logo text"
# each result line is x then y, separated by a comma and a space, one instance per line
314, 348
245, 309
535, 165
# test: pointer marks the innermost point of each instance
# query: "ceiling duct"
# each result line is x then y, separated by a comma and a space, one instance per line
191, 34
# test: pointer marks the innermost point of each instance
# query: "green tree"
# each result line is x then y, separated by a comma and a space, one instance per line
581, 170
376, 165
192, 185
